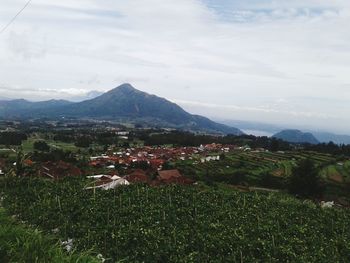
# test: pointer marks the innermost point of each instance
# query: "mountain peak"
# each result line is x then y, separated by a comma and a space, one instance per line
124, 90
125, 87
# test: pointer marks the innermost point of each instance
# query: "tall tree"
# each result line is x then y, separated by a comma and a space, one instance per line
305, 180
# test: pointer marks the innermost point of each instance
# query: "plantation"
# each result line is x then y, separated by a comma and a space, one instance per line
181, 224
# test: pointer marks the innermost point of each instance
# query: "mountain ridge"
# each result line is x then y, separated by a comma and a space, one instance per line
121, 103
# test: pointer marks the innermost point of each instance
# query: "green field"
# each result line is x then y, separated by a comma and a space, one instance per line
27, 145
182, 224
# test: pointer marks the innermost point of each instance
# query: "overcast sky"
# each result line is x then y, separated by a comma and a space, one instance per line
283, 62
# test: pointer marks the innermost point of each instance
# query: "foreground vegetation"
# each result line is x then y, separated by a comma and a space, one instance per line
181, 224
23, 244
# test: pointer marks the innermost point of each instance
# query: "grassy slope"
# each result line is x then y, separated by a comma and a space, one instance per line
22, 244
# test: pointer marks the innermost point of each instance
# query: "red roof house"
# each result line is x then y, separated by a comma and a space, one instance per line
172, 177
58, 170
137, 176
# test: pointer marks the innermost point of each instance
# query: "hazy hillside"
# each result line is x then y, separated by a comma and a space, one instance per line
296, 136
21, 107
331, 137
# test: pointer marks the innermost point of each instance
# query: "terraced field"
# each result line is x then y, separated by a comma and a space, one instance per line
253, 164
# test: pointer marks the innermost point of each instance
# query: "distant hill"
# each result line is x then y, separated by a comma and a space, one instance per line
124, 103
265, 129
327, 137
296, 136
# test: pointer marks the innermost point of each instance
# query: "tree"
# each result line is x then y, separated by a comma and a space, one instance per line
18, 167
83, 142
41, 146
274, 145
268, 180
12, 138
305, 180
168, 166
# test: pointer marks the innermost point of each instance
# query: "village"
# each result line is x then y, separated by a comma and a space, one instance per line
108, 156
123, 166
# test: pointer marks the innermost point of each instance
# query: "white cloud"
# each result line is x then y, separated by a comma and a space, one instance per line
250, 54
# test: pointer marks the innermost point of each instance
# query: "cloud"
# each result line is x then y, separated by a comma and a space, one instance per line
247, 54
260, 110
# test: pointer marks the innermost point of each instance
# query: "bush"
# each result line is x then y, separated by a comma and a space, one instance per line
268, 180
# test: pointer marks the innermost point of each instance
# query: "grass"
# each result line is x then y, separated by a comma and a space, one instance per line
27, 145
62, 145
19, 243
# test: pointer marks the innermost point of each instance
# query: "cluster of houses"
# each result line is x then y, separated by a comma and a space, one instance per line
61, 169
157, 156
154, 157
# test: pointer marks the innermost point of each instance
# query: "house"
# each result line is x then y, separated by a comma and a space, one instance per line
137, 176
98, 176
28, 162
327, 204
172, 177
156, 163
56, 170
167, 174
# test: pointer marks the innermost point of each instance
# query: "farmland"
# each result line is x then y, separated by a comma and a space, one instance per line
181, 224
226, 200
251, 167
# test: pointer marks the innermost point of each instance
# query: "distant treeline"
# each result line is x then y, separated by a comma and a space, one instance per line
330, 148
179, 138
12, 138
85, 138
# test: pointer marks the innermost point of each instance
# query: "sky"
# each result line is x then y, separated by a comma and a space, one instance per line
275, 61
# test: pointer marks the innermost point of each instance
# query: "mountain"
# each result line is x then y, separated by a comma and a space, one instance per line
251, 127
296, 136
21, 107
327, 137
87, 96
125, 104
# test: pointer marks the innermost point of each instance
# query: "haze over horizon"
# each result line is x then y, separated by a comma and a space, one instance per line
279, 62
